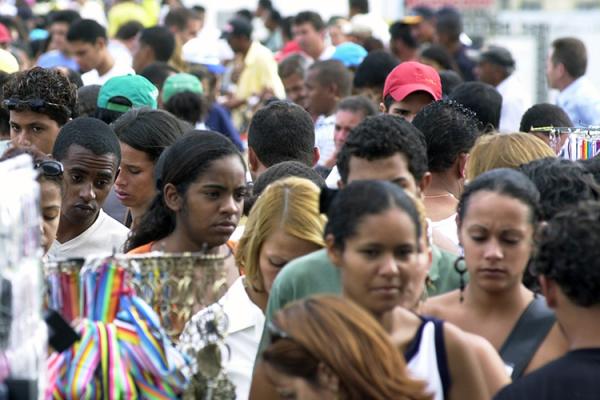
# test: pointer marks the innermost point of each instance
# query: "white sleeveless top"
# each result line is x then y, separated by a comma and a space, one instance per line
447, 227
426, 358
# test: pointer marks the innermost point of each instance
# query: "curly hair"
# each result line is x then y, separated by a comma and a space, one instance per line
561, 183
383, 136
568, 253
46, 84
449, 129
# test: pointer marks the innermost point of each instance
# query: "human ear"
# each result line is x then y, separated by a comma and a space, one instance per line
424, 183
462, 165
252, 160
382, 108
334, 254
549, 289
327, 378
172, 198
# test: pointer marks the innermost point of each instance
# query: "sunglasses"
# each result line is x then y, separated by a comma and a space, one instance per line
50, 168
35, 105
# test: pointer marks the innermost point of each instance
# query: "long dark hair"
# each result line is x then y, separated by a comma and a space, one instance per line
181, 164
148, 130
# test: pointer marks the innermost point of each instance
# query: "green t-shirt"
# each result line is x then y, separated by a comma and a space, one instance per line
316, 274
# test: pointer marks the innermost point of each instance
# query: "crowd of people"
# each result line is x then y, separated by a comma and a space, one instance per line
396, 221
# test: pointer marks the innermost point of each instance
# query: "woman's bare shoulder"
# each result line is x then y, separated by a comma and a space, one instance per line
441, 306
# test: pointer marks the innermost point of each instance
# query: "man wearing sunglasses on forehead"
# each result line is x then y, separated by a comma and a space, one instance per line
40, 101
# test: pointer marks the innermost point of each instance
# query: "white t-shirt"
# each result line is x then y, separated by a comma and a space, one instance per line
105, 236
119, 69
324, 132
246, 322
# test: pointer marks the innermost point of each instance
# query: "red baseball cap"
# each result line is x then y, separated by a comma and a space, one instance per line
4, 34
411, 76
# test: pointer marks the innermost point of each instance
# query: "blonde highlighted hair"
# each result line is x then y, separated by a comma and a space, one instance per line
290, 204
505, 151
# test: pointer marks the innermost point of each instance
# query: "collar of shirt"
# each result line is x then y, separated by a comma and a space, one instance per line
240, 310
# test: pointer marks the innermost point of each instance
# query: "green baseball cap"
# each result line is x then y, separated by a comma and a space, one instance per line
181, 82
123, 93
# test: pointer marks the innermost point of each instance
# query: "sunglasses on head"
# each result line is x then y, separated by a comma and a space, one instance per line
35, 105
50, 168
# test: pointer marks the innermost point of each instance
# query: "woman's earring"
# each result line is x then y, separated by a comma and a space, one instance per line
461, 272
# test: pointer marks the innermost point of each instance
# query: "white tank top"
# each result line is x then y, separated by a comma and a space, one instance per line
447, 227
426, 358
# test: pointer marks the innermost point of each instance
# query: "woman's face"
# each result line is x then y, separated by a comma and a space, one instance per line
497, 237
134, 186
277, 250
295, 388
50, 203
381, 264
213, 204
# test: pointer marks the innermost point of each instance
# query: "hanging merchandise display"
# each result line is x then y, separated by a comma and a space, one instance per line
581, 144
138, 305
23, 333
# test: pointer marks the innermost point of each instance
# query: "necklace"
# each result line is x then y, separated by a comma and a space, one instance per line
437, 196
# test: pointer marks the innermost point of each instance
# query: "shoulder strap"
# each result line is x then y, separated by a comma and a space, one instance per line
527, 336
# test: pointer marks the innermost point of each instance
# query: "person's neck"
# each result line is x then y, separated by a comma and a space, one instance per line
442, 183
564, 83
258, 298
179, 242
105, 65
453, 47
136, 214
513, 300
316, 54
68, 231
580, 325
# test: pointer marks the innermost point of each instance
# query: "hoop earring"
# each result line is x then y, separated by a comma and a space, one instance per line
461, 272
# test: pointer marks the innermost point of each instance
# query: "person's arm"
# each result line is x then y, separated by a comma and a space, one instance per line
494, 371
467, 379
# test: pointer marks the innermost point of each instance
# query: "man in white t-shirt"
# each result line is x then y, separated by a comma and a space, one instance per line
90, 153
326, 83
89, 44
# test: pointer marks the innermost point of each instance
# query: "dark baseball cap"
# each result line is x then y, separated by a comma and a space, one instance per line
237, 27
418, 14
497, 55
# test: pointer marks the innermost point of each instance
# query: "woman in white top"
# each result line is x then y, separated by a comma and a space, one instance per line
283, 224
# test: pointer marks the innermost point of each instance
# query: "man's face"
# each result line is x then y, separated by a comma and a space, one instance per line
345, 120
58, 31
87, 55
32, 129
486, 73
409, 107
393, 169
308, 38
142, 55
552, 72
319, 99
88, 180
235, 43
191, 30
294, 89
423, 32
